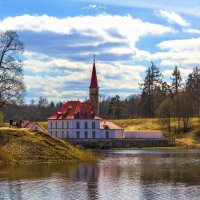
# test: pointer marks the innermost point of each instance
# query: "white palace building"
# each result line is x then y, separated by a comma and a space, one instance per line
78, 120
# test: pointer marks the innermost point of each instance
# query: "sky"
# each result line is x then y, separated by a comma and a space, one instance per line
60, 38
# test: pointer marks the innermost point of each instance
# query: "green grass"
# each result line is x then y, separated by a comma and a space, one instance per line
26, 146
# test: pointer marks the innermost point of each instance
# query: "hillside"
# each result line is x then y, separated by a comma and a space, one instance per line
190, 139
142, 124
26, 146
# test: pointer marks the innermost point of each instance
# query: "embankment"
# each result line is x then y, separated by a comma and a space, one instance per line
27, 146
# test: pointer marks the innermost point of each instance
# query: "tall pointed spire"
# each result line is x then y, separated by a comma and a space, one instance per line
93, 82
94, 91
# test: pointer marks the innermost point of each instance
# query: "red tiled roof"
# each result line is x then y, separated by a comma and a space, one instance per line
94, 83
30, 125
25, 123
74, 110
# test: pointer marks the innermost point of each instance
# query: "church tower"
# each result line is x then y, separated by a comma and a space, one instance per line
94, 91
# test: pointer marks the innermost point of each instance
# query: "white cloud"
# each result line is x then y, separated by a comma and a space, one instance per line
112, 76
184, 73
62, 77
181, 45
35, 62
172, 17
94, 7
185, 52
104, 34
100, 25
191, 30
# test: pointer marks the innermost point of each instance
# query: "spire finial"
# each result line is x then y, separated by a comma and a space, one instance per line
94, 58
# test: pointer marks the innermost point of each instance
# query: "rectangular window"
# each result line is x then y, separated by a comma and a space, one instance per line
78, 125
93, 134
51, 132
107, 134
51, 124
56, 124
86, 135
62, 134
56, 133
86, 125
93, 125
67, 125
77, 134
62, 124
67, 134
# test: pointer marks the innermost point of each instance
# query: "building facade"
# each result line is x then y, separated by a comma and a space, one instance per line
76, 120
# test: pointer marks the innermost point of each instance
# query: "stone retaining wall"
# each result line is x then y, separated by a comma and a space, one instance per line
122, 143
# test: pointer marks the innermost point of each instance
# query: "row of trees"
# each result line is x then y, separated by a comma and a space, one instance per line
35, 111
176, 100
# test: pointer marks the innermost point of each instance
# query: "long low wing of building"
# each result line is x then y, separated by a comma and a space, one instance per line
143, 134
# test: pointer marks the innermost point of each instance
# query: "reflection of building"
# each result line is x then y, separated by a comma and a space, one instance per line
77, 119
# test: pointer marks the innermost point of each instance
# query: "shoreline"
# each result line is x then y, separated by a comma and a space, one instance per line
157, 148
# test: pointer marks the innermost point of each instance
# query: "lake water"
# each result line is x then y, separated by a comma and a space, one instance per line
123, 174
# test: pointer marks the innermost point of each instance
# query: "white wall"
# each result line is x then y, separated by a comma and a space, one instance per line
119, 133
82, 123
61, 124
141, 134
68, 129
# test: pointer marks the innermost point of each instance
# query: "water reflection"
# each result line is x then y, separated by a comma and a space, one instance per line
122, 175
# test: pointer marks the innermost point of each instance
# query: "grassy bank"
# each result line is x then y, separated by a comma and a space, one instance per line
190, 139
26, 146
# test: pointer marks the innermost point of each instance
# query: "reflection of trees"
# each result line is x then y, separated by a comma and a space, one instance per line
120, 175
73, 175
171, 168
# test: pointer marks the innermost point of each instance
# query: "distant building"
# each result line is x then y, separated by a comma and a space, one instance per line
35, 126
77, 119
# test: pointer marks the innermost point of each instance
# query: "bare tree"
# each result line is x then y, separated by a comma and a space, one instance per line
11, 76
